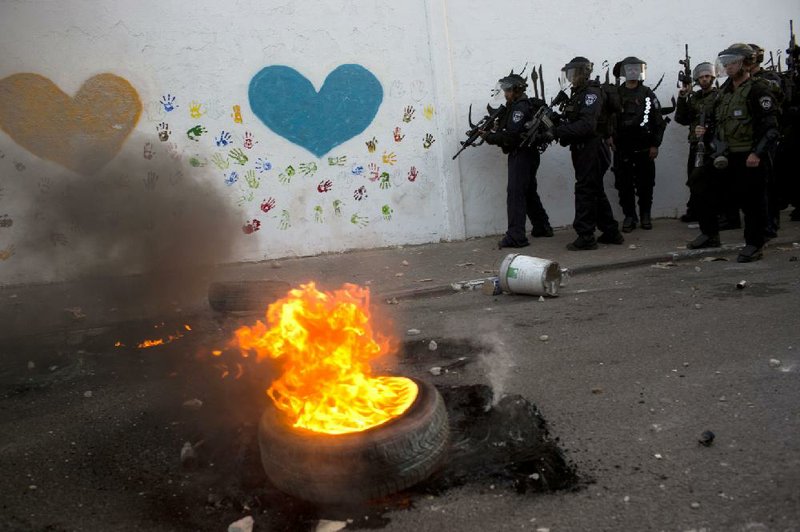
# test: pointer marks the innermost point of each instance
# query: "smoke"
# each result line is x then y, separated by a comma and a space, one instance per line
498, 364
159, 216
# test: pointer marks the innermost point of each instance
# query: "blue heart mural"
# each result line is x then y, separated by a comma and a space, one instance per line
289, 105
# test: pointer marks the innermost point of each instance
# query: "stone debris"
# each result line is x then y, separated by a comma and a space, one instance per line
695, 505
404, 263
774, 363
87, 393
698, 306
544, 338
413, 332
193, 404
325, 525
465, 264
664, 265
706, 438
658, 456
245, 524
432, 345
435, 370
541, 299
75, 312
188, 455
633, 246
31, 364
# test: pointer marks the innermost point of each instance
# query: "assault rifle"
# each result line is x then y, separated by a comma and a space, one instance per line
700, 154
484, 124
539, 129
685, 76
792, 68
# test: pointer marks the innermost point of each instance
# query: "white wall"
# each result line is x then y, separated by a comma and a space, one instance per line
438, 54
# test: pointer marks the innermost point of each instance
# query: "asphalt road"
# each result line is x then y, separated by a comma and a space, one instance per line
636, 365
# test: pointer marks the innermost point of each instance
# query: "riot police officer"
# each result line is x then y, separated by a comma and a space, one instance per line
742, 133
590, 157
694, 109
640, 128
522, 198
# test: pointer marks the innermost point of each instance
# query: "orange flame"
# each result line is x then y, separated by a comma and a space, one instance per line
324, 341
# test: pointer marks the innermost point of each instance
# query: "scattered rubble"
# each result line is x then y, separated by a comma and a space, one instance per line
31, 364
706, 438
432, 345
244, 524
435, 370
330, 526
75, 312
413, 332
87, 393
544, 338
774, 363
188, 455
193, 404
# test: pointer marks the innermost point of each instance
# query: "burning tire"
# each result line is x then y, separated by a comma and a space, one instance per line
358, 466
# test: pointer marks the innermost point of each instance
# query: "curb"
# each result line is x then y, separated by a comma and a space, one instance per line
674, 256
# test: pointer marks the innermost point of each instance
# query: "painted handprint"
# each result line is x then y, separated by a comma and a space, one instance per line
325, 186
196, 109
263, 165
285, 177
150, 181
253, 181
197, 161
357, 169
238, 156
176, 178
237, 114
389, 158
6, 221
173, 151
428, 140
168, 102
418, 90
246, 197
195, 132
385, 181
318, 216
220, 161
268, 204
427, 112
387, 212
413, 174
231, 178
360, 221
374, 172
360, 193
408, 114
163, 131
249, 140
251, 226
308, 169
19, 166
285, 220
398, 135
7, 252
340, 160
337, 207
224, 139
44, 185
372, 145
148, 151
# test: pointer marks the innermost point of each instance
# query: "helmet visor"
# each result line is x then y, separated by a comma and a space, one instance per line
634, 72
728, 64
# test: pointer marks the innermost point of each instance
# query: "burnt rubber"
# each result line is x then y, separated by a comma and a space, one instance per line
233, 296
360, 466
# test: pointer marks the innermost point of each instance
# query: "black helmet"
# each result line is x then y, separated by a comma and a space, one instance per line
512, 81
631, 68
758, 53
735, 53
577, 71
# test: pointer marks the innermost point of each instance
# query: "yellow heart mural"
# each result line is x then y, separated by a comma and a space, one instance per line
83, 132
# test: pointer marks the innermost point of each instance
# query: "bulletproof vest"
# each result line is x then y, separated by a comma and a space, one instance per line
774, 81
636, 107
734, 119
611, 106
572, 110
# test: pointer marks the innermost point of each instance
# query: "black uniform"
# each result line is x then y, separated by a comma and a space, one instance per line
776, 190
522, 198
689, 111
746, 119
640, 126
590, 158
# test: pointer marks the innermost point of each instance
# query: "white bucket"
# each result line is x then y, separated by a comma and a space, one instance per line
520, 274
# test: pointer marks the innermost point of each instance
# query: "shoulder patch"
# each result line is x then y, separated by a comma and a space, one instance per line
765, 102
590, 99
517, 116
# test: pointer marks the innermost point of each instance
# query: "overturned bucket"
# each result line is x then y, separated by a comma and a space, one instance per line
520, 274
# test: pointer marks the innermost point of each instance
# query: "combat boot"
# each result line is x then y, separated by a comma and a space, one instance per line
750, 253
704, 241
628, 224
647, 222
583, 243
539, 232
611, 238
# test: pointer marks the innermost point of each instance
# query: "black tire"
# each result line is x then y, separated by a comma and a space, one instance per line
236, 296
356, 467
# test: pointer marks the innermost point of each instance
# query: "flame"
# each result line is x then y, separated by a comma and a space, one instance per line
324, 342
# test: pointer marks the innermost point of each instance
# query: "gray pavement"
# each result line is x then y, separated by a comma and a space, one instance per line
399, 272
